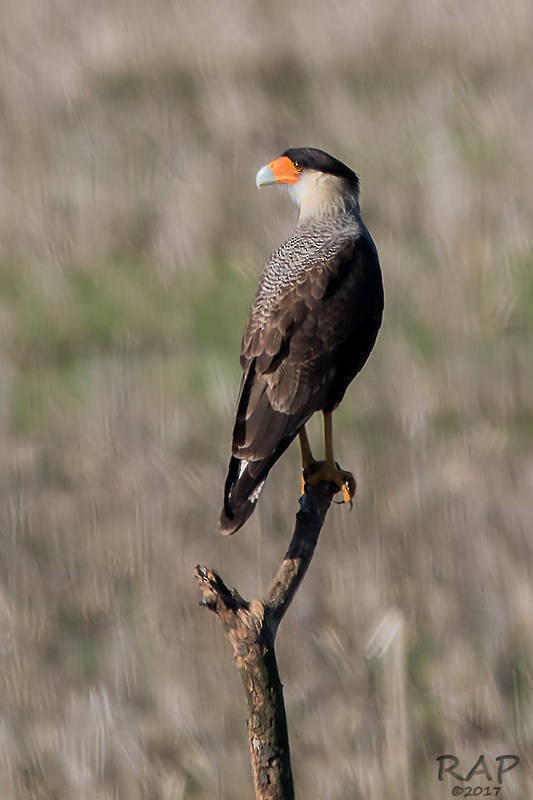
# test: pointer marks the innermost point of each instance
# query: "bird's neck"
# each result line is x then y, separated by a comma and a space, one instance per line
327, 207
320, 195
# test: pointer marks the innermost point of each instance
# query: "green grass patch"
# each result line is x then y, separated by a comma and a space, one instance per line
116, 305
58, 325
79, 643
216, 317
39, 393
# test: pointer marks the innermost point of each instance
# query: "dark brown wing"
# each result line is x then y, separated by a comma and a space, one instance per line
304, 341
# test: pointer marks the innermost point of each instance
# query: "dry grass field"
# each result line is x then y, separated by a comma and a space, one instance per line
131, 238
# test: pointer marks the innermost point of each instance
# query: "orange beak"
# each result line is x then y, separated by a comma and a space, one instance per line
281, 170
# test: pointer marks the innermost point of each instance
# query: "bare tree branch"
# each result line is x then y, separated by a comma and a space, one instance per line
314, 505
251, 628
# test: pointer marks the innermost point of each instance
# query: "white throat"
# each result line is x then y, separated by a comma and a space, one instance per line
317, 194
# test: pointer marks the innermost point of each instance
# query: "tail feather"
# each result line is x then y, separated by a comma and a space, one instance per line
244, 484
261, 434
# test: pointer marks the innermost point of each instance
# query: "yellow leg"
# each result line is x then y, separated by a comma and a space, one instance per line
328, 439
329, 471
308, 462
305, 447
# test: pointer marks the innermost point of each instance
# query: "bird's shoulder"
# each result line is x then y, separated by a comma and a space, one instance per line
319, 258
314, 244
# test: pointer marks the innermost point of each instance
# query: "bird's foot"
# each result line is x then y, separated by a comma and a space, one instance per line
320, 472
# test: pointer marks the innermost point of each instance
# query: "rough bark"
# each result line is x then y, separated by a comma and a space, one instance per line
251, 628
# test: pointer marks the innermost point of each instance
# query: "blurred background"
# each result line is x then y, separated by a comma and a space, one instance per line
131, 240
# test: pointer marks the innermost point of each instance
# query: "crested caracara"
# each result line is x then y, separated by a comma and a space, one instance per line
312, 325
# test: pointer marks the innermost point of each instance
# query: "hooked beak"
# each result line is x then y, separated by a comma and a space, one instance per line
265, 177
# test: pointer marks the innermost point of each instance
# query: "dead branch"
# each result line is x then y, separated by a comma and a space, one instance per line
251, 628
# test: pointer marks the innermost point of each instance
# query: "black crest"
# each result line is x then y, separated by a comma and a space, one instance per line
313, 158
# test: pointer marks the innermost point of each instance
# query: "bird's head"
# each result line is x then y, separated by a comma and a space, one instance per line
316, 182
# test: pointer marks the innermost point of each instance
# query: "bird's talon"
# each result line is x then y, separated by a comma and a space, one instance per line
319, 472
346, 493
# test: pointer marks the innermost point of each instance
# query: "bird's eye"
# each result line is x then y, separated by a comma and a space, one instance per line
298, 166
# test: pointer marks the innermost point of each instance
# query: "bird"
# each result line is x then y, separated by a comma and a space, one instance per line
312, 324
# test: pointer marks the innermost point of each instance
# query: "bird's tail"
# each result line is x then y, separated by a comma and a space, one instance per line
244, 484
